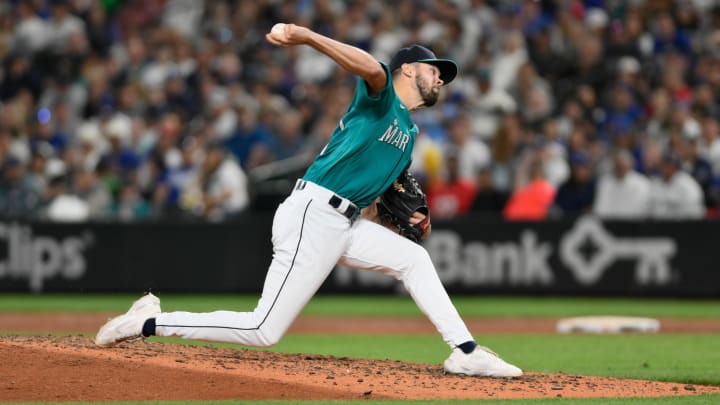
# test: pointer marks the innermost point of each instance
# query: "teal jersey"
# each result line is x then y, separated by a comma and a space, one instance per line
370, 147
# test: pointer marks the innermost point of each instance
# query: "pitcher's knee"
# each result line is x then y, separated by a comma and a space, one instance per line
267, 338
421, 256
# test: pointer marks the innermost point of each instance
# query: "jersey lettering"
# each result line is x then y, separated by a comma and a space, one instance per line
395, 137
389, 134
404, 142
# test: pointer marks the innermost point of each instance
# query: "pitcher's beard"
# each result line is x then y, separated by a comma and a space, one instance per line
427, 94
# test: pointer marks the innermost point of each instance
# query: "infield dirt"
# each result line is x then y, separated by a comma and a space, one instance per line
72, 368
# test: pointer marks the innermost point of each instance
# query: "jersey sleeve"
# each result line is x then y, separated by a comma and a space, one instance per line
380, 101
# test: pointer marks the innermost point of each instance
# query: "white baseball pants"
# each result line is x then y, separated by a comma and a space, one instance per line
309, 237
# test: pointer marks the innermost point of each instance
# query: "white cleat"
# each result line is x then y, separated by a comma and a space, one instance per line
129, 325
481, 362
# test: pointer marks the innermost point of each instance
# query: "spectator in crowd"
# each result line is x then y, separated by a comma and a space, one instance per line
427, 161
710, 143
586, 68
18, 78
485, 105
577, 77
223, 114
668, 37
221, 187
694, 164
162, 159
709, 149
62, 24
508, 61
488, 199
288, 139
532, 201
533, 95
703, 103
629, 38
624, 114
577, 195
119, 156
62, 205
472, 154
452, 195
18, 198
130, 206
251, 141
155, 188
505, 148
675, 194
35, 175
622, 193
89, 189
554, 154
88, 146
594, 112
32, 33
660, 107
181, 177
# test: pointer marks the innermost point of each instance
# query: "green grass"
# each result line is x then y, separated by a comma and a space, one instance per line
327, 305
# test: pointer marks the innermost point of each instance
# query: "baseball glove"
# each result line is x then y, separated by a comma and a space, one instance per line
397, 205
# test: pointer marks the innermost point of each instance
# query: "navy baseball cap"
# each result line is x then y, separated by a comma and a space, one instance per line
418, 53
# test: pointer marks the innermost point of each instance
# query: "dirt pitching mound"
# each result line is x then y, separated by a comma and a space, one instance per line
72, 368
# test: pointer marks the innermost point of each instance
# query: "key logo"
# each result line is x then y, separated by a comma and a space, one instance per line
651, 255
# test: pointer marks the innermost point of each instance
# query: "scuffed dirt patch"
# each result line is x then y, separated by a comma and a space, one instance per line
72, 368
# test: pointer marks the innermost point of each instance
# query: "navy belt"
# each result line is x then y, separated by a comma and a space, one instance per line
351, 212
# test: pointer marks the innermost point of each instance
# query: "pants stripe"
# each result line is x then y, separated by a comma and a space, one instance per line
292, 264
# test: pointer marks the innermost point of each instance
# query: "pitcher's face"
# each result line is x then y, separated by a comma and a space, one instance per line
427, 80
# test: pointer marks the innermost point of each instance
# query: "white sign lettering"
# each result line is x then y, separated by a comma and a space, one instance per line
526, 262
38, 258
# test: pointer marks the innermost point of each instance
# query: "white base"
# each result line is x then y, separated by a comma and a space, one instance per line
608, 324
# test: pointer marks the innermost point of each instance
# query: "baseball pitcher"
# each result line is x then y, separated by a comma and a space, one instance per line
319, 224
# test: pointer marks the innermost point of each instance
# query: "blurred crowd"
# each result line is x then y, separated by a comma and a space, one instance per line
146, 109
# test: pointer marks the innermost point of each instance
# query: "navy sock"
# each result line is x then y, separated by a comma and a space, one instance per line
149, 327
466, 347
